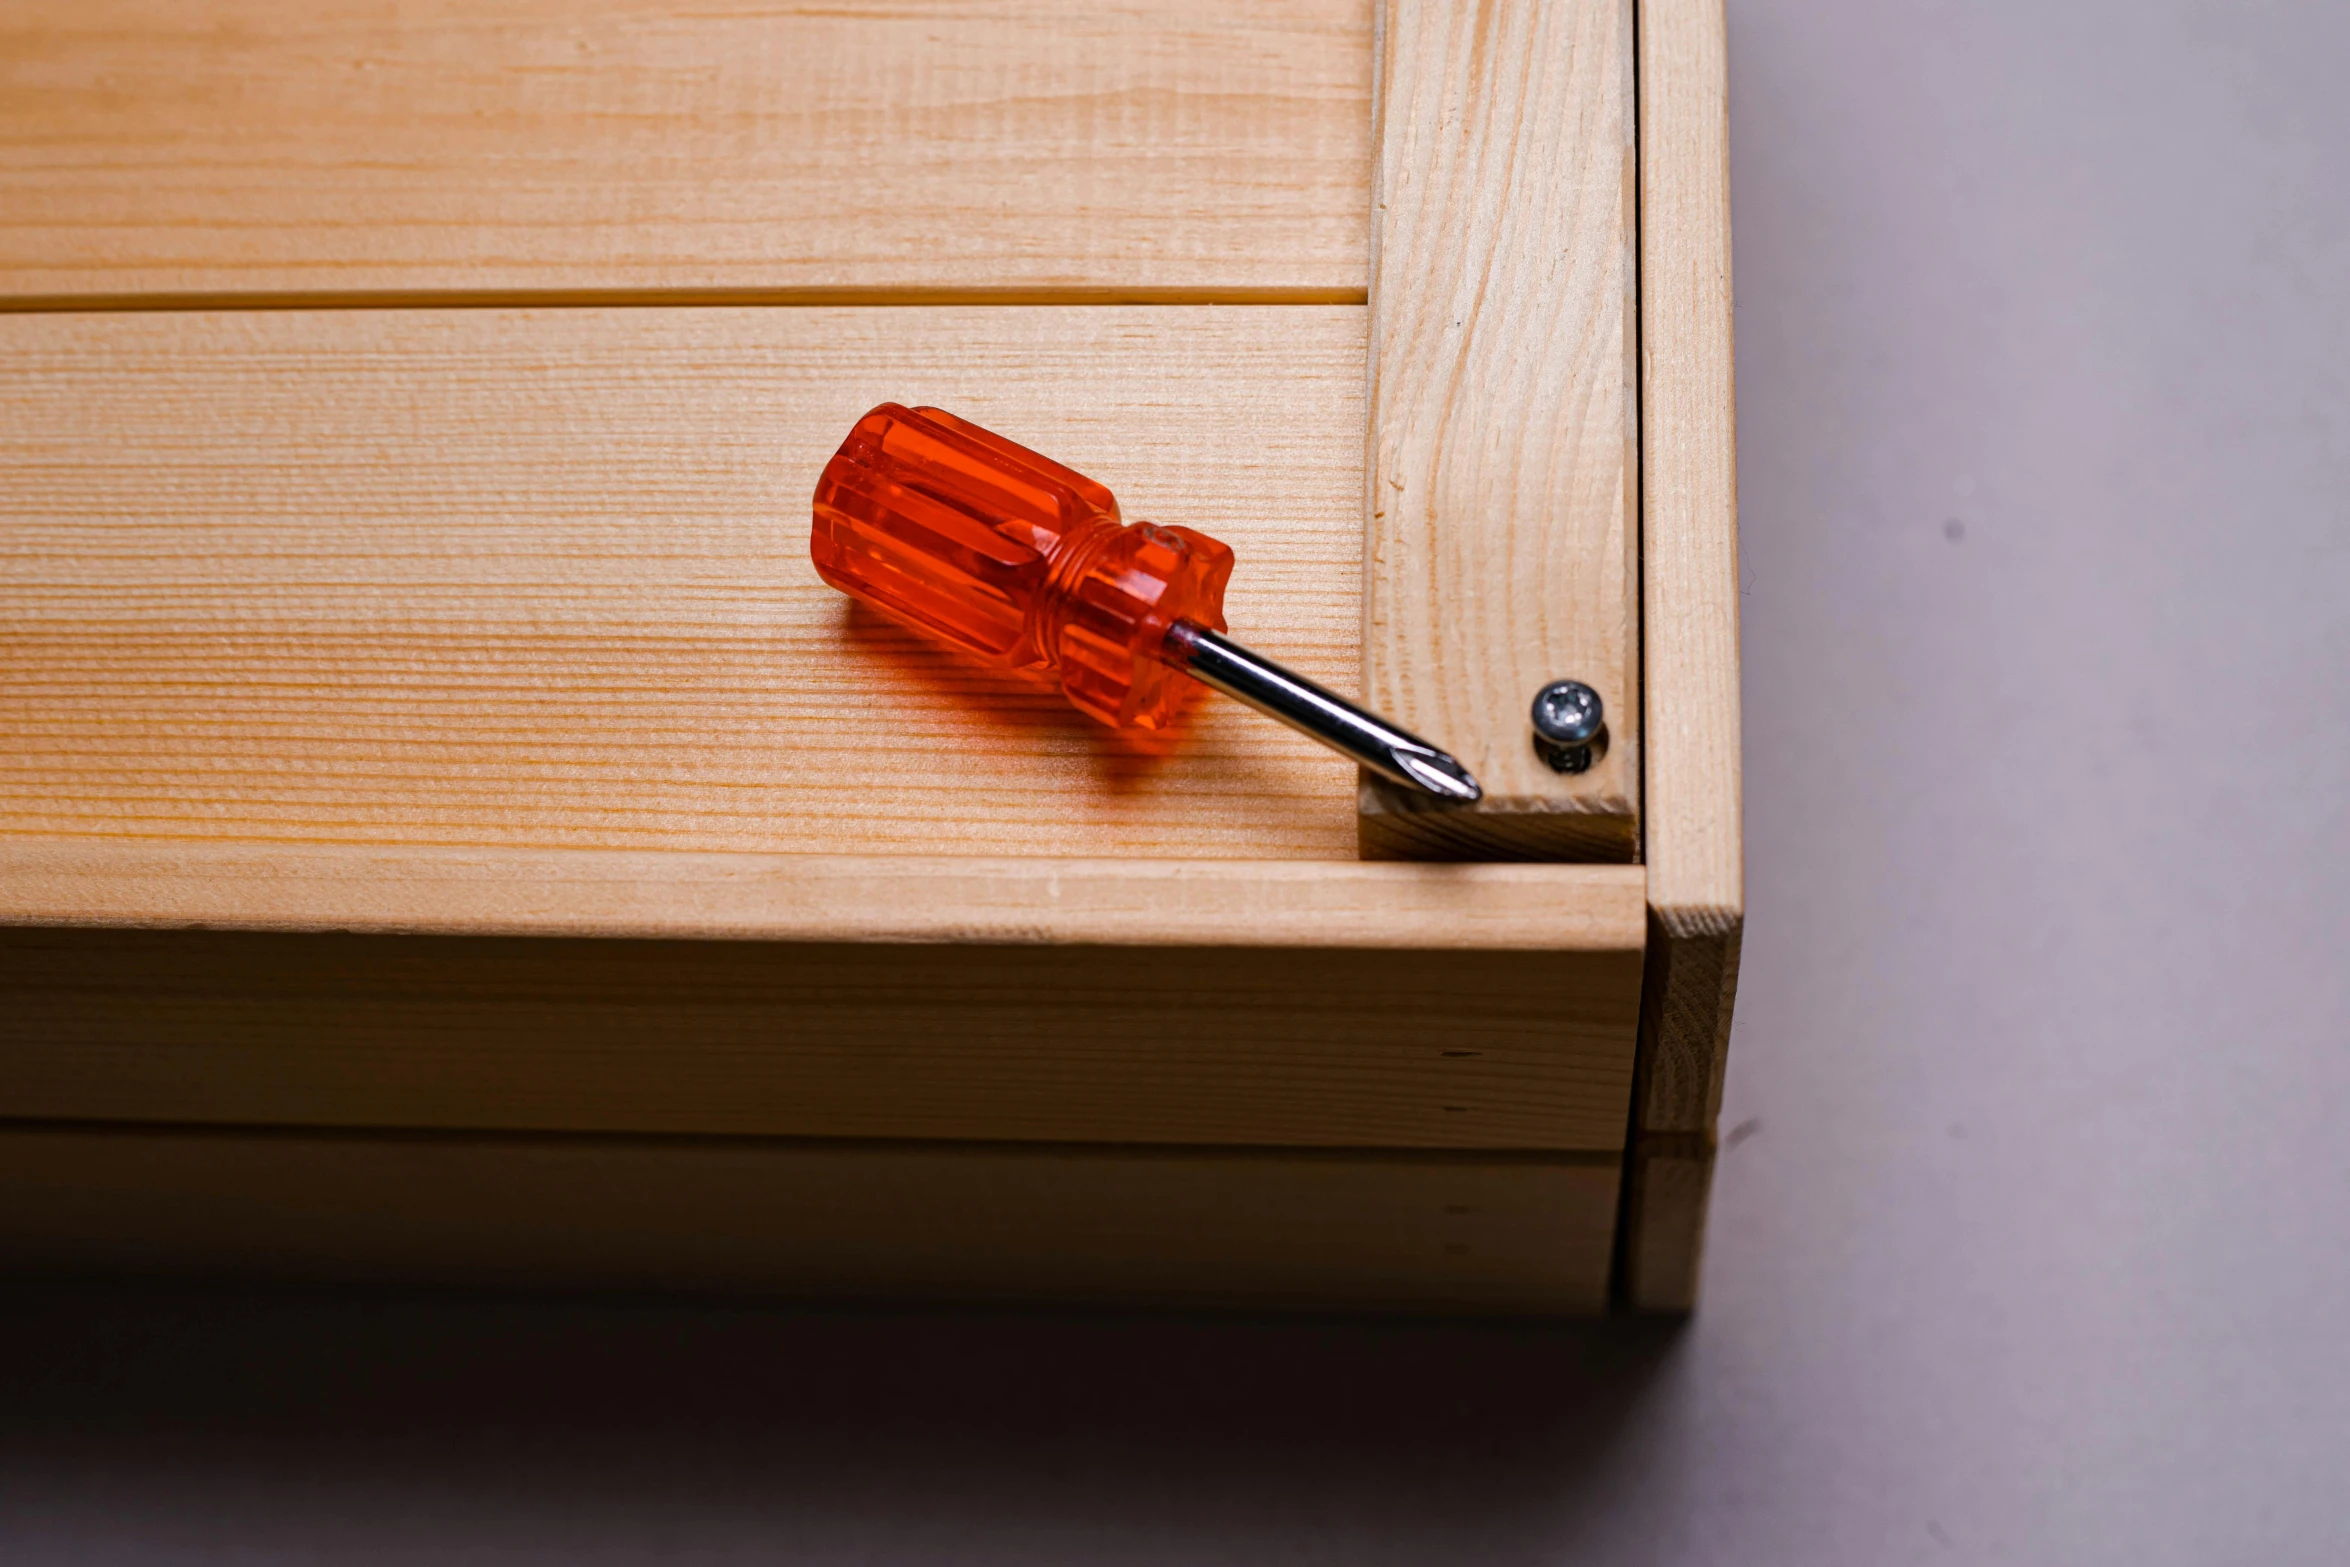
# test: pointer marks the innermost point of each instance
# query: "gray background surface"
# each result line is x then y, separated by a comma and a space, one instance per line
2032, 1238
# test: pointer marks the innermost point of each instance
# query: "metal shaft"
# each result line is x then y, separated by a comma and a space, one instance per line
1319, 714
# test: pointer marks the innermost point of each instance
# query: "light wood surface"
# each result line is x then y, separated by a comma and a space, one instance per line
152, 149
540, 578
1429, 1233
1503, 538
1695, 851
891, 996
1322, 1047
806, 897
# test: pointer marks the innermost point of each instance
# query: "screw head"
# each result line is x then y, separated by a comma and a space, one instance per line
1568, 712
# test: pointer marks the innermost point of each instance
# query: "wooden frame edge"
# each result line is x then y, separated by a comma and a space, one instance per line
853, 898
1689, 647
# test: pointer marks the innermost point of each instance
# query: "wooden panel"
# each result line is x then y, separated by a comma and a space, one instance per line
1502, 479
1426, 1233
541, 578
1695, 850
1196, 1038
338, 148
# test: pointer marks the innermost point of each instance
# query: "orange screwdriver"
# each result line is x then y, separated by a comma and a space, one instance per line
959, 533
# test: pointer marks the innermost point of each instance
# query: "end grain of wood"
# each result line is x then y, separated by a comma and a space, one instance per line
1668, 1185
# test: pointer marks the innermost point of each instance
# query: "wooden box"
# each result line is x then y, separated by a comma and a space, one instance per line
447, 832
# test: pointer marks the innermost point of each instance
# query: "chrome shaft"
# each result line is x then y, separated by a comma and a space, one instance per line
1321, 715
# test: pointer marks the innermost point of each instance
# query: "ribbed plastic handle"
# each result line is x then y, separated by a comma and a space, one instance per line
1006, 554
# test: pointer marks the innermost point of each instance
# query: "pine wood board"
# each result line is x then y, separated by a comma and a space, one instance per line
1695, 850
1445, 1234
539, 578
890, 996
886, 899
243, 150
1305, 1047
1695, 845
1502, 546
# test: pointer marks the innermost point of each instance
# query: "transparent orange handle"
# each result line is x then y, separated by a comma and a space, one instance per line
958, 532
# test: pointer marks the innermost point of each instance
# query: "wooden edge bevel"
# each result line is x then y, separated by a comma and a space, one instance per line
816, 898
1689, 647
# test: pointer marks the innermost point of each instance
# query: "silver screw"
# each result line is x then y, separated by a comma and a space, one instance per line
1570, 726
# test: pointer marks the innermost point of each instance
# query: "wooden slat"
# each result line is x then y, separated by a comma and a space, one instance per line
1694, 847
890, 996
153, 149
1281, 1231
540, 578
904, 899
1695, 853
1502, 531
1323, 1047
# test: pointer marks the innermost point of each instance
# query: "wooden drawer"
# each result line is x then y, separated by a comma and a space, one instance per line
448, 832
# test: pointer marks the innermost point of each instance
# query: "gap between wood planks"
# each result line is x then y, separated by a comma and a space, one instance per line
492, 299
542, 1137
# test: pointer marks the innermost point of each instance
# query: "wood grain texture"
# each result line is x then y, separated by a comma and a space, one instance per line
1668, 1184
1501, 472
1689, 549
1347, 1047
1695, 853
1257, 1231
903, 899
1267, 1002
540, 578
343, 148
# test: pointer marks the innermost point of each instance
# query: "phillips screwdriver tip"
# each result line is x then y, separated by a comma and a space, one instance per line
1438, 774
